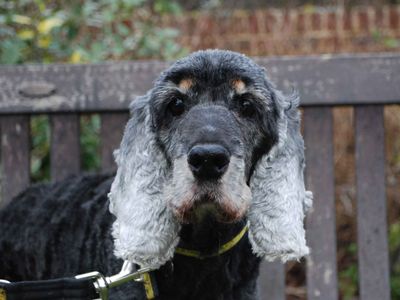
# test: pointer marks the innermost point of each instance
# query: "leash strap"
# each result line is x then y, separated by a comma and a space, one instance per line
88, 286
62, 288
150, 285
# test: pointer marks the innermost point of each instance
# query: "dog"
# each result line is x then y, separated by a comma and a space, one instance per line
209, 182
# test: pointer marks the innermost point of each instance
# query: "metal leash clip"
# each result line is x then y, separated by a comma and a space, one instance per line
102, 283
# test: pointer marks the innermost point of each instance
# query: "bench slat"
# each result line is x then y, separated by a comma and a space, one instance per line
65, 146
373, 260
271, 281
112, 127
15, 156
321, 231
321, 80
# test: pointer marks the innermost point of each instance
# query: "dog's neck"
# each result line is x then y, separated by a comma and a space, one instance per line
210, 278
209, 234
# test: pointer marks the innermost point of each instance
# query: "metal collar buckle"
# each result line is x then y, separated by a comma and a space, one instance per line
102, 283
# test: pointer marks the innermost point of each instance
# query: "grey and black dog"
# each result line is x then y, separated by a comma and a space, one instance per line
213, 147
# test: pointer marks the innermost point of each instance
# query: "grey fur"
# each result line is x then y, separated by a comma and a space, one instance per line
280, 200
145, 231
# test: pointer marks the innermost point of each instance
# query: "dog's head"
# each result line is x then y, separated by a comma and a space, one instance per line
212, 137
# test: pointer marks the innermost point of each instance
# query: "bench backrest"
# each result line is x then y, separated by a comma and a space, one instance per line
366, 82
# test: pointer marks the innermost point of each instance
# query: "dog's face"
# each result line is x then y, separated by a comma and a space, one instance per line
212, 138
214, 117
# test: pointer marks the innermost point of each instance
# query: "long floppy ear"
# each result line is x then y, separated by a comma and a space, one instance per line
145, 230
280, 200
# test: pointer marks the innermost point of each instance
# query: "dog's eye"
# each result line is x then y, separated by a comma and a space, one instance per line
176, 107
247, 108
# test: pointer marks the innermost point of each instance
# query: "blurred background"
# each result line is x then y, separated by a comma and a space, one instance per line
56, 31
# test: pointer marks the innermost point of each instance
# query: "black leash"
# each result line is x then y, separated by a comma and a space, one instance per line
62, 288
89, 286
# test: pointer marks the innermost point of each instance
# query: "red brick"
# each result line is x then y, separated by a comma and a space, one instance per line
208, 42
249, 32
301, 22
347, 21
331, 22
260, 20
363, 20
239, 24
287, 21
314, 43
230, 45
191, 25
253, 24
223, 26
261, 47
253, 46
244, 46
328, 44
316, 21
271, 22
379, 17
205, 25
394, 18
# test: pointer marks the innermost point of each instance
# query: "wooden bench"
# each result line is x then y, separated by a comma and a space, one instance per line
366, 82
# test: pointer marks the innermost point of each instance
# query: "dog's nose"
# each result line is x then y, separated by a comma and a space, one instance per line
208, 161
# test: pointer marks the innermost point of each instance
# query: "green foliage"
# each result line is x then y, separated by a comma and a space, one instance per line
75, 31
394, 247
388, 42
40, 143
348, 280
348, 277
90, 143
46, 31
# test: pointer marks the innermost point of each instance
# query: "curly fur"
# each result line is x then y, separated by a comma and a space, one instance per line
136, 196
280, 200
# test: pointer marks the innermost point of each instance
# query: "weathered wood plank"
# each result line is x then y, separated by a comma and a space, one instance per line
15, 156
373, 260
320, 80
321, 235
65, 146
112, 127
76, 88
271, 282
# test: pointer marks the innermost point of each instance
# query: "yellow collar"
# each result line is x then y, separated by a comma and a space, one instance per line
148, 278
224, 248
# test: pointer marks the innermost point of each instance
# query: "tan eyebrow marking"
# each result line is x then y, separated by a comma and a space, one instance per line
239, 86
185, 84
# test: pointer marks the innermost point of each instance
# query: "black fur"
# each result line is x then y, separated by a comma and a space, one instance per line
63, 229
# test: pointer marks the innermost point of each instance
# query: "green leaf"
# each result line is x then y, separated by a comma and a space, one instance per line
11, 51
391, 43
122, 29
133, 3
164, 6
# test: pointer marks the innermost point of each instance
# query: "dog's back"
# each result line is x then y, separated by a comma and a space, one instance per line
60, 230
47, 230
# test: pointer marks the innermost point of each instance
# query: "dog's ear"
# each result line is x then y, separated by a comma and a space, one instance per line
280, 201
145, 231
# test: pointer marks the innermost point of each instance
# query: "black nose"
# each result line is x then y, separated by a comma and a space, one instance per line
208, 161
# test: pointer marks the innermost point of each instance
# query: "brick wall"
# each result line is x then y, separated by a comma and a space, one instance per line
305, 30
